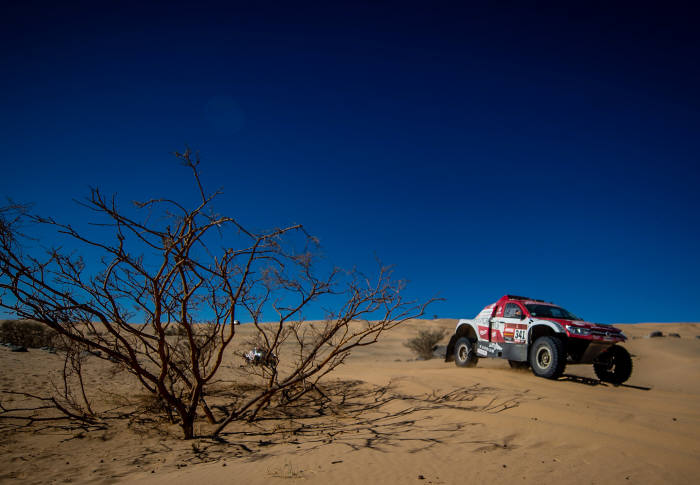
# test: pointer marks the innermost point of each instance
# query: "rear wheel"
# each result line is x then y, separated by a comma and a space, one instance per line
548, 357
465, 356
614, 365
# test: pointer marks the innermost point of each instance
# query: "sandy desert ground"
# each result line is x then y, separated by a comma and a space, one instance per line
408, 421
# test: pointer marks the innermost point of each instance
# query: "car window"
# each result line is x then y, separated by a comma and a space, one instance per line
512, 311
550, 311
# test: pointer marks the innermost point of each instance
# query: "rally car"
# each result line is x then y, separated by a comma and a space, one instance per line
541, 335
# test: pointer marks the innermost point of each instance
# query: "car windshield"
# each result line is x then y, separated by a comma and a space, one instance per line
549, 311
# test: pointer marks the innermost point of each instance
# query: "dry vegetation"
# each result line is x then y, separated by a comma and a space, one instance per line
424, 343
188, 274
28, 334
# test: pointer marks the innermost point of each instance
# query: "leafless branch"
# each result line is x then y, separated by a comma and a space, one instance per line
188, 274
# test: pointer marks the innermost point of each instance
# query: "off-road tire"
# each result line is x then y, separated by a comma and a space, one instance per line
548, 357
465, 354
614, 365
516, 364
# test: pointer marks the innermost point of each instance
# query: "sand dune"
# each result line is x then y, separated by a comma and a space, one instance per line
404, 421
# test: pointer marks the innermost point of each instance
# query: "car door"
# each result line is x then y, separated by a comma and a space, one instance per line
497, 326
514, 326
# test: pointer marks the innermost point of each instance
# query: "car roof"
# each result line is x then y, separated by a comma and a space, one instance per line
525, 300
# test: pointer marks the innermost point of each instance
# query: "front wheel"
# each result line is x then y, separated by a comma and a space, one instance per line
548, 357
614, 365
465, 356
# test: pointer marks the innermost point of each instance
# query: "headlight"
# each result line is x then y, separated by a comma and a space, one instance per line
578, 330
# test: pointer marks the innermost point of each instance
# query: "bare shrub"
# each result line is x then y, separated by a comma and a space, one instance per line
27, 333
194, 270
175, 330
425, 342
71, 392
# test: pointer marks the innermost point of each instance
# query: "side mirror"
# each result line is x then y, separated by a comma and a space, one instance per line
522, 317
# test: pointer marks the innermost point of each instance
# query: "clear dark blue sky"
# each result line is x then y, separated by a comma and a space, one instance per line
551, 152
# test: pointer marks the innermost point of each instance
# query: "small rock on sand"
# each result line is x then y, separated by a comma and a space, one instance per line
656, 333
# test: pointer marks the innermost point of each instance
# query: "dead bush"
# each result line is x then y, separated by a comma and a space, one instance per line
423, 344
175, 331
183, 267
27, 333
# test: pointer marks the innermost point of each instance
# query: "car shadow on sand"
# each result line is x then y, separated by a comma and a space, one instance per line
597, 382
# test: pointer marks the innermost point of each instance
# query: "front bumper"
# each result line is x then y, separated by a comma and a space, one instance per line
585, 351
597, 334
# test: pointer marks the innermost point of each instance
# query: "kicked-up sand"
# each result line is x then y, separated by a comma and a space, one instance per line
393, 419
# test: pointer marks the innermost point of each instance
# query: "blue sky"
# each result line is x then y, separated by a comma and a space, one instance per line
482, 151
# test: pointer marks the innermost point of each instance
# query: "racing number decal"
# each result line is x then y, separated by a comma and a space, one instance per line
515, 335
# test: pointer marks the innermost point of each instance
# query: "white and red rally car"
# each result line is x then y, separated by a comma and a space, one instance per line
541, 335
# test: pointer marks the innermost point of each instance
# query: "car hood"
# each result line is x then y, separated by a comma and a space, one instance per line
601, 327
